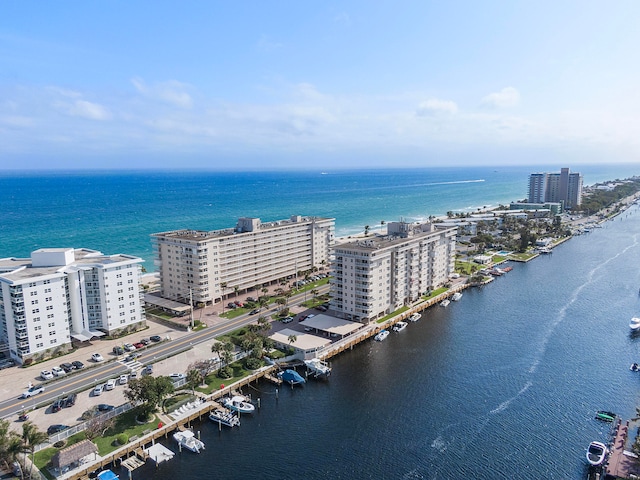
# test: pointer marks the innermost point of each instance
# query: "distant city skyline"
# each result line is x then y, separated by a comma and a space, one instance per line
258, 85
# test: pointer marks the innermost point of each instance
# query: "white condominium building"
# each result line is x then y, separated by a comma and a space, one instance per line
208, 265
565, 187
60, 294
375, 276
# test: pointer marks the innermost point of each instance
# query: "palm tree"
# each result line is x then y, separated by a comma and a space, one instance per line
366, 230
236, 289
14, 448
31, 437
315, 293
292, 339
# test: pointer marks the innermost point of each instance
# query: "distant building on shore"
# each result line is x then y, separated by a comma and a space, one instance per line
374, 276
563, 187
63, 294
210, 265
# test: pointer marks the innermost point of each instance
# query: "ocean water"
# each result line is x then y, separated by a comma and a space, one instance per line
115, 212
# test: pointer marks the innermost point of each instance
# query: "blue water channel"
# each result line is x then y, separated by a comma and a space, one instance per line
503, 384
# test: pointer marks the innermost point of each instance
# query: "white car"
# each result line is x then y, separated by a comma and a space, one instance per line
123, 379
46, 375
177, 376
35, 390
111, 384
96, 357
129, 348
98, 390
58, 372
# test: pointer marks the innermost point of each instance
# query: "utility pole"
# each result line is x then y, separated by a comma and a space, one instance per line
191, 306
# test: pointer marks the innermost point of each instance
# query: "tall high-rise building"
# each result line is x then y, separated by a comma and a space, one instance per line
375, 276
563, 187
209, 265
60, 294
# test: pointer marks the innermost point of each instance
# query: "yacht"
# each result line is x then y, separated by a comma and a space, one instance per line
224, 417
187, 439
445, 302
398, 327
381, 335
596, 453
456, 296
635, 323
415, 317
238, 403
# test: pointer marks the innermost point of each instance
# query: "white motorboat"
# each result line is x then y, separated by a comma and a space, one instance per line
596, 453
456, 296
224, 417
188, 440
398, 327
381, 335
318, 367
239, 403
635, 323
445, 302
415, 317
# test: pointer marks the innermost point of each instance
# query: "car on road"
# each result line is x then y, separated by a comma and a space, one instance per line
57, 428
254, 311
155, 338
123, 379
287, 320
131, 357
77, 364
70, 400
103, 407
118, 350
35, 390
46, 375
97, 390
110, 385
57, 405
67, 367
58, 372
129, 347
96, 357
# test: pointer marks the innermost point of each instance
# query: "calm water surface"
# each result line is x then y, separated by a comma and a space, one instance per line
503, 384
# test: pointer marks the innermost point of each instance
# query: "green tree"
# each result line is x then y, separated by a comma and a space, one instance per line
31, 437
292, 339
194, 378
366, 230
150, 392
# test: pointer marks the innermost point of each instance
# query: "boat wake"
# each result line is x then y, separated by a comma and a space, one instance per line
504, 405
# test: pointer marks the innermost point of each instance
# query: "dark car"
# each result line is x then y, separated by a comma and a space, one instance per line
67, 367
155, 338
70, 400
118, 350
77, 364
145, 341
231, 305
103, 407
57, 405
254, 311
56, 429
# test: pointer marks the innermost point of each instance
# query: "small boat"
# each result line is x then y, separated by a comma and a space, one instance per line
596, 453
634, 367
415, 317
381, 335
635, 323
605, 416
398, 327
445, 302
224, 417
456, 296
318, 367
238, 403
107, 475
188, 440
291, 377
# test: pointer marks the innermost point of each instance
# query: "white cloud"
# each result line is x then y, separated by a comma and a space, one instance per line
93, 111
435, 106
505, 98
172, 92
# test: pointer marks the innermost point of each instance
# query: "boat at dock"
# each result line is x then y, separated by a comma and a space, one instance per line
596, 453
318, 367
239, 403
398, 327
224, 417
107, 475
635, 323
188, 440
291, 377
605, 416
456, 296
445, 302
415, 317
381, 335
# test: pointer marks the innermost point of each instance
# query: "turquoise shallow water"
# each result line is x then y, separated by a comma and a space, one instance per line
115, 212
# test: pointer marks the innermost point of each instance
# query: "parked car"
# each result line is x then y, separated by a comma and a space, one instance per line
129, 347
96, 357
35, 390
6, 363
118, 350
56, 429
231, 305
46, 375
58, 372
70, 400
239, 304
251, 299
145, 341
57, 405
287, 320
177, 376
77, 365
148, 370
97, 390
123, 379
67, 367
138, 345
103, 407
133, 375
155, 338
110, 385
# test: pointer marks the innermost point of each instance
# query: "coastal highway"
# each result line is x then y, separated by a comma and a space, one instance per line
81, 380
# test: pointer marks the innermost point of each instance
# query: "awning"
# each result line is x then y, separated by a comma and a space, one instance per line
87, 335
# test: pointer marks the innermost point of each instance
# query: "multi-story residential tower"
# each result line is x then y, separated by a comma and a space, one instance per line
208, 265
562, 187
62, 294
374, 276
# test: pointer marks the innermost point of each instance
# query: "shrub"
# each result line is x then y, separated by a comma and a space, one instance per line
226, 372
122, 439
252, 363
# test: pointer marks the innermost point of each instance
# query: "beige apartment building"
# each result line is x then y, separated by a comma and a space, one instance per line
375, 276
210, 265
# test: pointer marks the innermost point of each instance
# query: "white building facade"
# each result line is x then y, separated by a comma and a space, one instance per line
209, 265
64, 294
565, 187
375, 276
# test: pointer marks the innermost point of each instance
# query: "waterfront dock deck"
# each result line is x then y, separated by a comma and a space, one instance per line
622, 462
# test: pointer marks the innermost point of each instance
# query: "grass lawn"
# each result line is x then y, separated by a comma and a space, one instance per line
393, 314
435, 293
466, 268
160, 313
522, 256
214, 382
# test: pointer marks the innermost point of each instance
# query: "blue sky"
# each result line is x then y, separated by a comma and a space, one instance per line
309, 84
